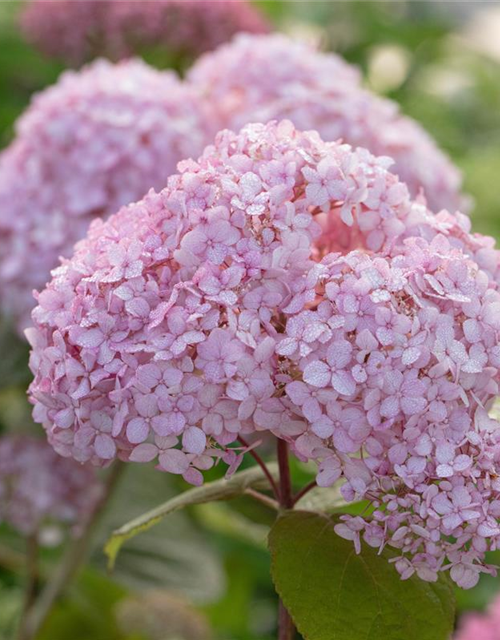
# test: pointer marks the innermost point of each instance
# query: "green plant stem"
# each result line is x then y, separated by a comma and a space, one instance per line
72, 560
286, 628
30, 589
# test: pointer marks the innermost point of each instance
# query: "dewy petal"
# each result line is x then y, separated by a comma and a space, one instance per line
343, 382
317, 374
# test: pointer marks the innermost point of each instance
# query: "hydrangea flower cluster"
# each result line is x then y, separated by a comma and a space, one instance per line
78, 30
481, 626
98, 139
39, 487
290, 286
258, 78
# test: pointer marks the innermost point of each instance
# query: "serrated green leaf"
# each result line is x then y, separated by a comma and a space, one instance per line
218, 490
334, 594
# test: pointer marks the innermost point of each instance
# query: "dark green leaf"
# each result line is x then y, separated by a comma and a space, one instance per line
334, 594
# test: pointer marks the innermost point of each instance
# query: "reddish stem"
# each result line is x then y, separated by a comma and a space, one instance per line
263, 466
285, 492
286, 628
304, 491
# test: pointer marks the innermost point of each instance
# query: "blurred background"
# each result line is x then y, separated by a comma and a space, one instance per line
205, 573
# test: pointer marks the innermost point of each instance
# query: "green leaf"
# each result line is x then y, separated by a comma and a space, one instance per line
334, 594
322, 499
218, 490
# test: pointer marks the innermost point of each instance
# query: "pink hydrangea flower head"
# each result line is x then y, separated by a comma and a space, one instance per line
481, 626
257, 78
98, 139
286, 285
394, 398
78, 30
40, 488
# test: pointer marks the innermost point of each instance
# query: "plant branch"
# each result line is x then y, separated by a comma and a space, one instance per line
74, 556
305, 490
263, 466
261, 497
30, 589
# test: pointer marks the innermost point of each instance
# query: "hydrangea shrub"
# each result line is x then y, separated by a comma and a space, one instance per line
288, 286
98, 139
258, 78
76, 31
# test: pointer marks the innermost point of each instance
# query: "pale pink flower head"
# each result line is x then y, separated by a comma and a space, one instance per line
98, 139
257, 78
39, 488
481, 626
286, 285
76, 31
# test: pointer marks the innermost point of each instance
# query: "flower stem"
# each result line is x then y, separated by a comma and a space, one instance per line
299, 495
286, 628
285, 488
263, 466
71, 561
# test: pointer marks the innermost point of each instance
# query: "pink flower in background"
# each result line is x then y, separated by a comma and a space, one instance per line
258, 78
39, 488
252, 314
72, 30
78, 30
98, 139
183, 27
481, 626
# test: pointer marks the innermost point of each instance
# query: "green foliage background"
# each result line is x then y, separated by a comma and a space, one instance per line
216, 555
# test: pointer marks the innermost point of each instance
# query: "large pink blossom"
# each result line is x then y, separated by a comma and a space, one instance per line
257, 78
98, 139
40, 488
78, 30
290, 286
481, 626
